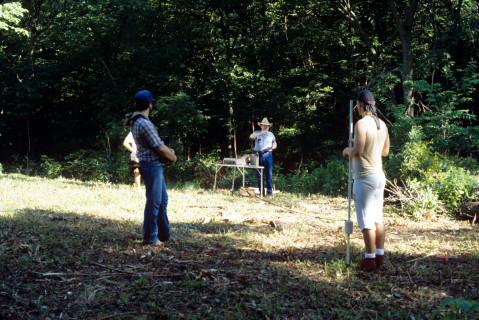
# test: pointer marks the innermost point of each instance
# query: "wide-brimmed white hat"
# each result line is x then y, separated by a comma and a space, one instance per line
265, 122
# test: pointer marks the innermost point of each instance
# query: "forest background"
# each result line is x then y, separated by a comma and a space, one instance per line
69, 71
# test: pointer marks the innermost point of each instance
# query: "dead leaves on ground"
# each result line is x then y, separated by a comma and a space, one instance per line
233, 258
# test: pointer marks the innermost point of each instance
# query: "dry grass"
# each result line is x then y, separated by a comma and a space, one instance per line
71, 250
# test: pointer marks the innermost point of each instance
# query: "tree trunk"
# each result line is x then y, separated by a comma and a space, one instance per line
457, 16
35, 15
344, 7
264, 21
229, 47
230, 125
405, 32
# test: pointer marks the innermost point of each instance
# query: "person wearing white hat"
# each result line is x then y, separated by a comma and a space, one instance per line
264, 144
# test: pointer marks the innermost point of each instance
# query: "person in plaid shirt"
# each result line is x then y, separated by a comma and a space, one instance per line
150, 150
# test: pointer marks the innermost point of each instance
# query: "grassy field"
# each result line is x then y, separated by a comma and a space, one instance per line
72, 250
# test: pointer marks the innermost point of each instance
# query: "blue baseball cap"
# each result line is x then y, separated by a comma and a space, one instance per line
144, 95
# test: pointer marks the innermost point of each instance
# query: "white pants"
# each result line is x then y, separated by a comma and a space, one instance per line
368, 194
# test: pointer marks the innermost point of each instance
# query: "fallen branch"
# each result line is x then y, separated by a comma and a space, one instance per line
404, 194
420, 258
50, 274
111, 268
282, 207
205, 206
127, 314
64, 274
311, 214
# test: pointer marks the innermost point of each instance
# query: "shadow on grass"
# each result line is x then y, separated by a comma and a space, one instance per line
66, 265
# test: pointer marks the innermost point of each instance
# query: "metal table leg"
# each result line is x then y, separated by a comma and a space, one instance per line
243, 177
216, 173
262, 188
242, 169
234, 174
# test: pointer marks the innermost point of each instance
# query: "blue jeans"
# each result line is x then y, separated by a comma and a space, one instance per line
155, 222
266, 161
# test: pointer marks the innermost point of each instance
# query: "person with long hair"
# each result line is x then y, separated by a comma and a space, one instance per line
370, 144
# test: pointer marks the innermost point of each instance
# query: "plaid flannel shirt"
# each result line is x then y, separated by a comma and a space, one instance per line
147, 140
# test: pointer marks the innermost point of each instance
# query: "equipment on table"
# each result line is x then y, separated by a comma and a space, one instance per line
254, 159
248, 159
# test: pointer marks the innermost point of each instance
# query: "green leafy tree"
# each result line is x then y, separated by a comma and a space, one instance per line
66, 83
10, 17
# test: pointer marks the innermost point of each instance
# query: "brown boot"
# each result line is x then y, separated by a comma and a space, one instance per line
379, 260
367, 264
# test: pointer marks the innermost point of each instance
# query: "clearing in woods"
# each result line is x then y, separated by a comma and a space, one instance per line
72, 250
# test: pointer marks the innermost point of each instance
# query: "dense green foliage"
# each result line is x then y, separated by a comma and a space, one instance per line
69, 70
329, 179
435, 182
460, 308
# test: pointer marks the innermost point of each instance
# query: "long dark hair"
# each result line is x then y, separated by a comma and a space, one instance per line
367, 98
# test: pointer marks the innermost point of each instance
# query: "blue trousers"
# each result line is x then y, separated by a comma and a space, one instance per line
155, 222
266, 161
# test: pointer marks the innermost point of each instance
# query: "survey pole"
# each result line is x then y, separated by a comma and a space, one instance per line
348, 225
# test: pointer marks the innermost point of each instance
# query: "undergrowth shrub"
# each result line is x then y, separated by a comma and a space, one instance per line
458, 309
330, 179
335, 178
88, 165
181, 171
199, 170
456, 188
423, 201
204, 170
85, 165
95, 165
50, 168
432, 182
434, 153
23, 165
